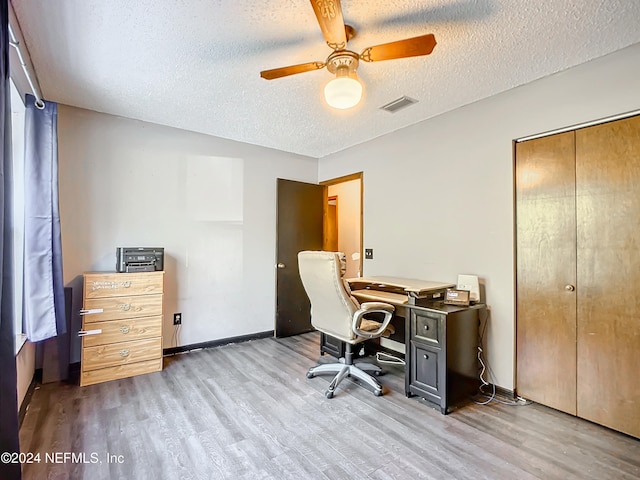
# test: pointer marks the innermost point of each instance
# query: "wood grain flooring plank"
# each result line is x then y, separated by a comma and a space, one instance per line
297, 466
216, 463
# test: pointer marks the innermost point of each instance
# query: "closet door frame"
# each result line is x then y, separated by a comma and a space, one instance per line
600, 383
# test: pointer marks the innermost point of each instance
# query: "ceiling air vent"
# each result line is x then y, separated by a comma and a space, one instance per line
398, 104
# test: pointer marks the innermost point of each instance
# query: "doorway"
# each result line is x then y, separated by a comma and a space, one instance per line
343, 224
330, 239
311, 218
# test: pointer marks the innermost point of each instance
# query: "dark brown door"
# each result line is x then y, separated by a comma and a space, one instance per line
546, 271
608, 212
299, 227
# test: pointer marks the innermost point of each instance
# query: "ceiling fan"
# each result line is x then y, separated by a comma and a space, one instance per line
345, 91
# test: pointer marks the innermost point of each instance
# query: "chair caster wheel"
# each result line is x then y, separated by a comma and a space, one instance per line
378, 393
310, 375
329, 394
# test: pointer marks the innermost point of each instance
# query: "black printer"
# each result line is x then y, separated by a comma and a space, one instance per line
139, 259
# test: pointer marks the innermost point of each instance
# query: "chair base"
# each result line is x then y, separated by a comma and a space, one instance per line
362, 371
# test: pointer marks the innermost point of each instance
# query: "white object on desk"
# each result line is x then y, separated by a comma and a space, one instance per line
470, 282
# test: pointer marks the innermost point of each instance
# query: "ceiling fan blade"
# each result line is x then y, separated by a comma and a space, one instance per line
329, 15
291, 70
410, 47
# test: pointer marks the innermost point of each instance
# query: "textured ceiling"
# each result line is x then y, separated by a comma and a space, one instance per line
194, 64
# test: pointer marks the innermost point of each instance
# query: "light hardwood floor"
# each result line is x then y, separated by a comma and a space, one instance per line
247, 411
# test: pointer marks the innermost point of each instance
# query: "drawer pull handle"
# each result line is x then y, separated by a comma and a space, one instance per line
84, 333
426, 327
125, 329
124, 353
426, 357
125, 306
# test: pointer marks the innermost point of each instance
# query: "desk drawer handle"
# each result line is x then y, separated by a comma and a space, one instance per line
125, 306
426, 357
124, 353
125, 329
426, 327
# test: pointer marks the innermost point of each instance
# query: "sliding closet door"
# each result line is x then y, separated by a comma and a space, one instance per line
546, 269
608, 241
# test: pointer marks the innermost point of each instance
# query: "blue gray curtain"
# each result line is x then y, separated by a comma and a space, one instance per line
44, 315
8, 395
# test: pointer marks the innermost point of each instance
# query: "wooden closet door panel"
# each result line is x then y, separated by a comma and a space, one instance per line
546, 264
608, 222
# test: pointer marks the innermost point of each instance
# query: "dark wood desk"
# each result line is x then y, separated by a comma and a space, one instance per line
442, 353
441, 341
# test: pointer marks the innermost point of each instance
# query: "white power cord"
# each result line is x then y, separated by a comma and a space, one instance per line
390, 359
488, 398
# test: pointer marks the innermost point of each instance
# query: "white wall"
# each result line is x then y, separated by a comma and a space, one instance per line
438, 196
348, 197
208, 201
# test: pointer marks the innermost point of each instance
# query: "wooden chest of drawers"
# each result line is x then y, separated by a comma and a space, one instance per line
121, 325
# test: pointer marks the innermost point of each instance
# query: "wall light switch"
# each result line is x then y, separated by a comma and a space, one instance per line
368, 253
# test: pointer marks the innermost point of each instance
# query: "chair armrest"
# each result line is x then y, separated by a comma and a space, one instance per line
372, 307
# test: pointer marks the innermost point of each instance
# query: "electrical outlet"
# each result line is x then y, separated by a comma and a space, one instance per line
368, 253
177, 319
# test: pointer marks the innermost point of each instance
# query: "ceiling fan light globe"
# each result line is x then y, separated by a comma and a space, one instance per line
343, 92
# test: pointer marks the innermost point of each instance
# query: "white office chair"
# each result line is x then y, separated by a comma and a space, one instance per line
338, 314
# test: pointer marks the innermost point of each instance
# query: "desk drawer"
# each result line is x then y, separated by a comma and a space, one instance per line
117, 308
427, 326
101, 285
427, 372
121, 353
115, 331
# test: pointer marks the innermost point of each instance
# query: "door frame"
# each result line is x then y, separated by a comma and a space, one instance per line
343, 179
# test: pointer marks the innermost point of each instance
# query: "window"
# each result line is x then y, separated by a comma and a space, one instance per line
17, 145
